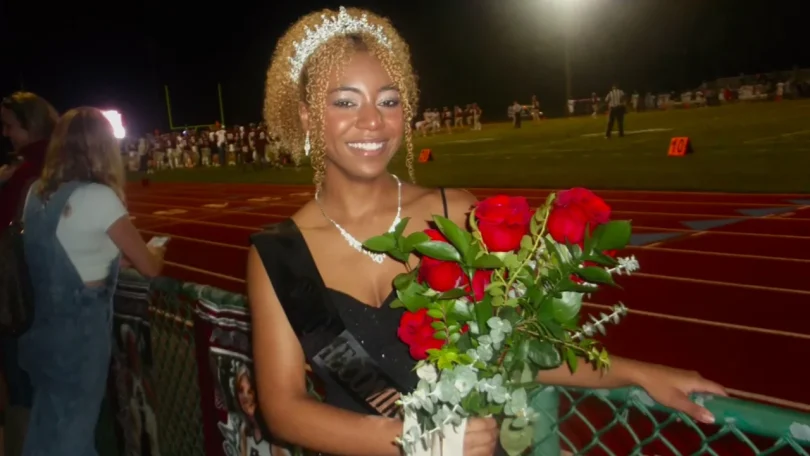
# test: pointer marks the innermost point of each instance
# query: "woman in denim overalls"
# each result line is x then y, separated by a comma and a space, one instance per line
67, 350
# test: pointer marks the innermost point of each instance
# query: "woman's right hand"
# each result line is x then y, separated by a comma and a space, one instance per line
158, 251
481, 437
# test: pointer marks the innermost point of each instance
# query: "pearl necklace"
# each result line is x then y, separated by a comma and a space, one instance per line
357, 245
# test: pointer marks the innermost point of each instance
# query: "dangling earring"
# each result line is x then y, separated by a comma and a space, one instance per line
307, 145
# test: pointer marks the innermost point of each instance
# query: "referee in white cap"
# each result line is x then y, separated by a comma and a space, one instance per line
615, 102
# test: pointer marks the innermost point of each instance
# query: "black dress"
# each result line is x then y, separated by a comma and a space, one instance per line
302, 293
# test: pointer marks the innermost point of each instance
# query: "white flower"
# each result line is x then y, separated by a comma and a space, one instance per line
428, 373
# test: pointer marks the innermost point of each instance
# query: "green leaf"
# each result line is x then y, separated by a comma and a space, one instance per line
612, 235
566, 307
567, 284
455, 293
472, 253
526, 242
415, 239
483, 312
461, 311
509, 314
440, 335
494, 289
595, 275
544, 354
412, 302
439, 250
403, 281
498, 301
396, 304
511, 261
473, 402
464, 343
435, 313
400, 228
602, 259
534, 227
559, 251
399, 255
571, 359
488, 261
588, 240
381, 244
526, 374
438, 325
460, 238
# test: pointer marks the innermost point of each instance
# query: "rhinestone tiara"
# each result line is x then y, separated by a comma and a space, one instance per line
342, 24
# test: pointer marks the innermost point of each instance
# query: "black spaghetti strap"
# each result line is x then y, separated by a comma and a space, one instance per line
444, 202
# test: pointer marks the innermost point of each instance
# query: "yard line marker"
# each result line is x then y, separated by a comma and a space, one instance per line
170, 212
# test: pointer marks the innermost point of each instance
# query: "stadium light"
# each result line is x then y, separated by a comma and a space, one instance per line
569, 11
117, 123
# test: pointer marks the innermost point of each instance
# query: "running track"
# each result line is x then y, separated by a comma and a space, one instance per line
724, 287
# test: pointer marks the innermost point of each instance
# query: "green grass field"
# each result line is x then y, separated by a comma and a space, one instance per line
752, 147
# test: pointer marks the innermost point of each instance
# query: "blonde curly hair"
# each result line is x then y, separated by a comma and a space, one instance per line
283, 95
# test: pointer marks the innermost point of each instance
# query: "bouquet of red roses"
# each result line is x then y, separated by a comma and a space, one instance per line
490, 306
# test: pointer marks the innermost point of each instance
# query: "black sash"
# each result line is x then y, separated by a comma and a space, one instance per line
331, 350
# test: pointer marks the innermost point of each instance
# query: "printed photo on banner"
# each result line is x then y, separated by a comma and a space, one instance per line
241, 431
132, 367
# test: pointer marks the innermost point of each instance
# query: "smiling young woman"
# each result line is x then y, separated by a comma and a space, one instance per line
341, 89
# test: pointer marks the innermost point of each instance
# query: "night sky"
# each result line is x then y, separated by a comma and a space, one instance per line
119, 55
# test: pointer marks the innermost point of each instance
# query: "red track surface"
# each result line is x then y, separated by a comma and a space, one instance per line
729, 301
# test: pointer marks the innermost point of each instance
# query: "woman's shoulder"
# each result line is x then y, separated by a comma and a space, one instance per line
458, 201
95, 198
93, 192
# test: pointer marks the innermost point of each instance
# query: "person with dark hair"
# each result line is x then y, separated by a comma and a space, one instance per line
27, 121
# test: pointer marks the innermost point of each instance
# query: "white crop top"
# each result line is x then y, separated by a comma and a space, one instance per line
83, 232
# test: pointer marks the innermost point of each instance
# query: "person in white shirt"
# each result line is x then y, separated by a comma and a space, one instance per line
615, 102
77, 235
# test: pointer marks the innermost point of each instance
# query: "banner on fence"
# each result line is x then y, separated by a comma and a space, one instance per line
233, 421
131, 371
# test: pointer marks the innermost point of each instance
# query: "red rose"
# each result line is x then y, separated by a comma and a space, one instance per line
573, 209
415, 330
503, 221
437, 274
481, 280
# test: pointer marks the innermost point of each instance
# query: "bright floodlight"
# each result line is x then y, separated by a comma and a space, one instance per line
118, 125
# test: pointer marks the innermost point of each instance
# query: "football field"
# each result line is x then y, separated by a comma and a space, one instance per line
756, 147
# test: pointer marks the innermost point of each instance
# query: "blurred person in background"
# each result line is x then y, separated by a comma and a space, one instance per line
27, 122
76, 231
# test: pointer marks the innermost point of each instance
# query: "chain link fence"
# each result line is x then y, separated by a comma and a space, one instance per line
572, 421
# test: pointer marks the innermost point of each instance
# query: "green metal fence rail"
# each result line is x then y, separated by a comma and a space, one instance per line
572, 421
